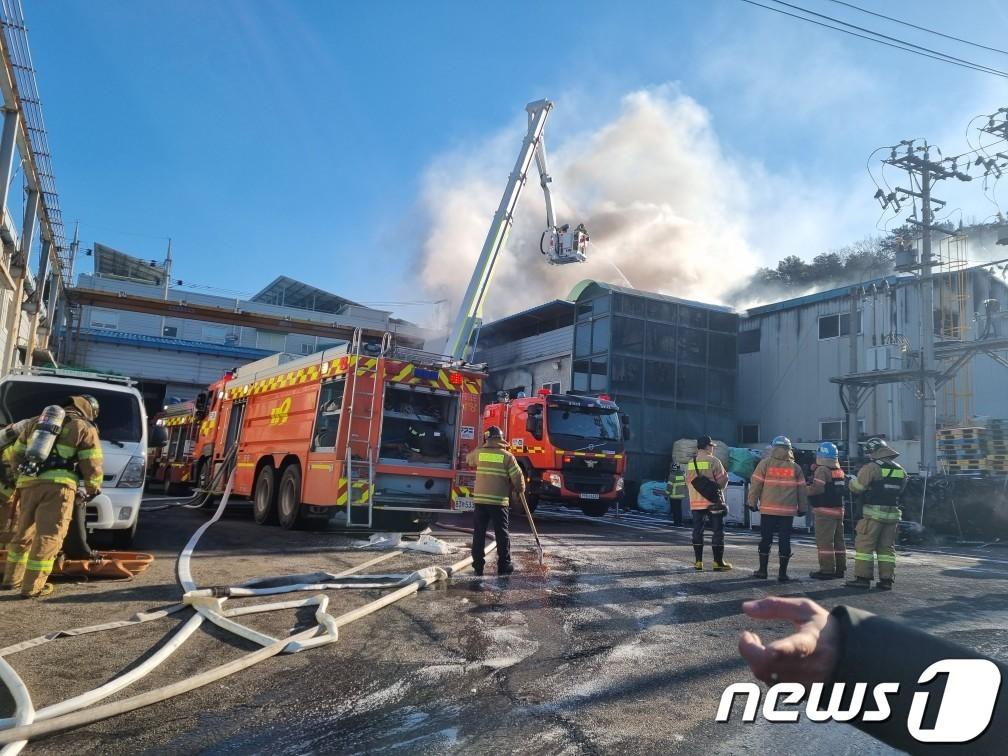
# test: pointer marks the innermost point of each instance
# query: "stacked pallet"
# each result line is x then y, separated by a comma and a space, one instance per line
963, 449
997, 444
982, 447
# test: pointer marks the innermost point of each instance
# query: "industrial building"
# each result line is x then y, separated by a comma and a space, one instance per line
175, 357
674, 357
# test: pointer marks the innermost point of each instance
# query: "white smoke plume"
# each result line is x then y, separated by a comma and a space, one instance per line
668, 211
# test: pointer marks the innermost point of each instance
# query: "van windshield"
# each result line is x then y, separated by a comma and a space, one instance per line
118, 419
584, 422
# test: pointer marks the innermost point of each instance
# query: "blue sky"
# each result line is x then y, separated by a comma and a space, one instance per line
270, 137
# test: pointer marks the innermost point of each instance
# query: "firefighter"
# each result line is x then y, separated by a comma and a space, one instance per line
826, 499
881, 482
47, 495
675, 490
708, 505
8, 479
778, 485
498, 476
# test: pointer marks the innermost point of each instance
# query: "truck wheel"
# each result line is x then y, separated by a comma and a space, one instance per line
123, 539
264, 503
595, 509
289, 502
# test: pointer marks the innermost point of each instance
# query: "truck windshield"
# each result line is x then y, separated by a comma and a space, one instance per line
118, 418
584, 422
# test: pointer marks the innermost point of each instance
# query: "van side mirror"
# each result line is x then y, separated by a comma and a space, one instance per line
625, 424
534, 422
158, 437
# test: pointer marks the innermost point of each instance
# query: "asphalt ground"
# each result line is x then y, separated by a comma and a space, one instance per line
616, 644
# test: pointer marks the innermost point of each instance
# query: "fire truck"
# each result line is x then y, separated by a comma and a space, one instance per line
169, 467
345, 434
570, 447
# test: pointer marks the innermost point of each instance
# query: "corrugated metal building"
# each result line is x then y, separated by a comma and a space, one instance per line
789, 351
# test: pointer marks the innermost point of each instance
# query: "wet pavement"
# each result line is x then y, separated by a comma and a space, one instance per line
614, 644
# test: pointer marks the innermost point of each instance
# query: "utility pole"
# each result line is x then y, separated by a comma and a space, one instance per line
924, 173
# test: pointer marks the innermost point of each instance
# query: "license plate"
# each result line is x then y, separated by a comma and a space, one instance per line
589, 496
464, 505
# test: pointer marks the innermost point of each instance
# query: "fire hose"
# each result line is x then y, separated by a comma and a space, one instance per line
28, 723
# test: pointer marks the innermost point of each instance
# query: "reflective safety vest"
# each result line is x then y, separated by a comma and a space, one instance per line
497, 474
882, 499
676, 486
831, 501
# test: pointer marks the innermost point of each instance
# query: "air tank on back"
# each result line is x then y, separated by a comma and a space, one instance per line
42, 439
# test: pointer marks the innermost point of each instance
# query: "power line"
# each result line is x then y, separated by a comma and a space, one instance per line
920, 28
939, 57
894, 39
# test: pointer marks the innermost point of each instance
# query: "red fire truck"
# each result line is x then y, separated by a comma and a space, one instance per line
345, 434
570, 447
169, 467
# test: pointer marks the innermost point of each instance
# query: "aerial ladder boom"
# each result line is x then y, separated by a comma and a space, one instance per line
559, 244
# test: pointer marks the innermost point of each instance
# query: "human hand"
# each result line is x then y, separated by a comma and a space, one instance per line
807, 656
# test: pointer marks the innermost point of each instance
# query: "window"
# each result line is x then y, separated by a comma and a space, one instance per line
748, 434
626, 374
836, 430
661, 340
831, 326
722, 351
553, 388
720, 388
581, 368
307, 348
582, 339
215, 334
627, 305
271, 340
658, 310
170, 332
329, 408
599, 375
628, 335
693, 316
723, 321
659, 378
600, 335
106, 320
691, 384
692, 346
749, 341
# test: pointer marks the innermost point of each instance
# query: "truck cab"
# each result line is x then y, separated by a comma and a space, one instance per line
122, 427
570, 447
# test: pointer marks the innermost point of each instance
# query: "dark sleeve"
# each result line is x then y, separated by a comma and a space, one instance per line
875, 650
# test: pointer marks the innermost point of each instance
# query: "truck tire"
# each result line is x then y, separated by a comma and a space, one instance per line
289, 498
264, 502
595, 508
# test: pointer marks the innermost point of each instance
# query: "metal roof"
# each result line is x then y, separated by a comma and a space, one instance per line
583, 286
289, 292
111, 263
178, 345
557, 312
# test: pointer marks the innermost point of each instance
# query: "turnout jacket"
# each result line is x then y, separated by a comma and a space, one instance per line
778, 484
497, 473
708, 466
825, 493
78, 444
882, 483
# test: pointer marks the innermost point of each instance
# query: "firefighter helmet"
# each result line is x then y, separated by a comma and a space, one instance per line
877, 448
493, 432
781, 441
827, 450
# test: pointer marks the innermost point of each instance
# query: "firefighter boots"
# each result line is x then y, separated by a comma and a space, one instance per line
884, 585
782, 576
859, 582
761, 573
720, 565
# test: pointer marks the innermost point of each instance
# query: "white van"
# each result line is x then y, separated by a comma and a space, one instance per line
122, 426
